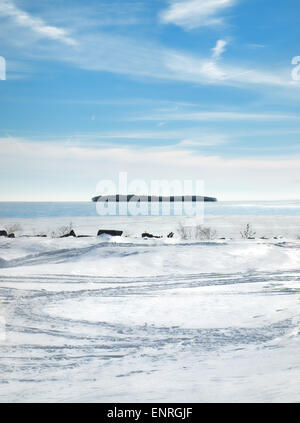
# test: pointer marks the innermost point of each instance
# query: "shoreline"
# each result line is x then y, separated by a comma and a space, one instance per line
225, 226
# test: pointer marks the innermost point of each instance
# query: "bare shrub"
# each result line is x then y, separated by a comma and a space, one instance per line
62, 230
184, 231
13, 227
248, 233
202, 232
196, 232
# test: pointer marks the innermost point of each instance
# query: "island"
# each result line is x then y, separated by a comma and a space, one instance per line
152, 198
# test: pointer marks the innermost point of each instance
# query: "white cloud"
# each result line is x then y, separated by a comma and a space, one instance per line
70, 167
37, 25
219, 49
256, 45
203, 141
191, 14
217, 116
207, 71
171, 138
111, 52
153, 156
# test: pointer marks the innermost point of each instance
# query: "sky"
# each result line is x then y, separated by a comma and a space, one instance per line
204, 90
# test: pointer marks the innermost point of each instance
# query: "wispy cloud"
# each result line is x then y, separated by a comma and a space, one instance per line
219, 49
70, 167
191, 14
203, 141
210, 71
169, 138
23, 148
217, 116
256, 45
21, 18
95, 50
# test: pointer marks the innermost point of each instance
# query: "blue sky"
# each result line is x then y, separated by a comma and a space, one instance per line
160, 89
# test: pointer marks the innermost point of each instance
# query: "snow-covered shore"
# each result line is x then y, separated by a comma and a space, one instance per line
226, 226
125, 319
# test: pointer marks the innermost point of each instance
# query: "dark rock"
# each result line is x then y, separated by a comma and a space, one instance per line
170, 235
83, 236
109, 232
3, 233
33, 236
11, 236
146, 235
71, 233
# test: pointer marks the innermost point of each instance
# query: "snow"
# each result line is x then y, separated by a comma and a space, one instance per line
124, 319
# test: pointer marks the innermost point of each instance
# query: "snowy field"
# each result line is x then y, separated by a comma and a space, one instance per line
126, 319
